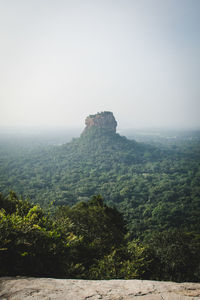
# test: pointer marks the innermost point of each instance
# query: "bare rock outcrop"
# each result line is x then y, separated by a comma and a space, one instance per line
104, 120
24, 288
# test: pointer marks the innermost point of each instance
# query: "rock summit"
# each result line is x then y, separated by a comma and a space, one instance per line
104, 120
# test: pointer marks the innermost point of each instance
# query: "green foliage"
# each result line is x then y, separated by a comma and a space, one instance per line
108, 267
176, 255
31, 244
100, 227
139, 261
129, 262
89, 240
155, 188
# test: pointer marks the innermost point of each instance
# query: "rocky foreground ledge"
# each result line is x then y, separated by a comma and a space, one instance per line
20, 288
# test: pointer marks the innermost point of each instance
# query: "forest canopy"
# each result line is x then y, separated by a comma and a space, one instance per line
154, 186
145, 224
89, 240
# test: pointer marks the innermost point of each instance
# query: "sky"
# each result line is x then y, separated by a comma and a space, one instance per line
62, 60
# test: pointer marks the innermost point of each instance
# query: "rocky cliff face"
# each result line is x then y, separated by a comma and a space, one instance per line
104, 120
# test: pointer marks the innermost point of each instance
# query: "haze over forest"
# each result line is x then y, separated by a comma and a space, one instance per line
62, 60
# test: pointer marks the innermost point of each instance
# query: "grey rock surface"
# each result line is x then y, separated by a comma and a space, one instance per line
104, 120
20, 288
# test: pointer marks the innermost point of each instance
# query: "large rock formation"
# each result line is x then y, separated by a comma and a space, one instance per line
63, 289
104, 120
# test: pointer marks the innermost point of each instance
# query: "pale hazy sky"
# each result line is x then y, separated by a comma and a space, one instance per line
61, 60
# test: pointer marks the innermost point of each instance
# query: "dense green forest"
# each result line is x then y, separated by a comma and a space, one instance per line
153, 186
89, 241
147, 226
